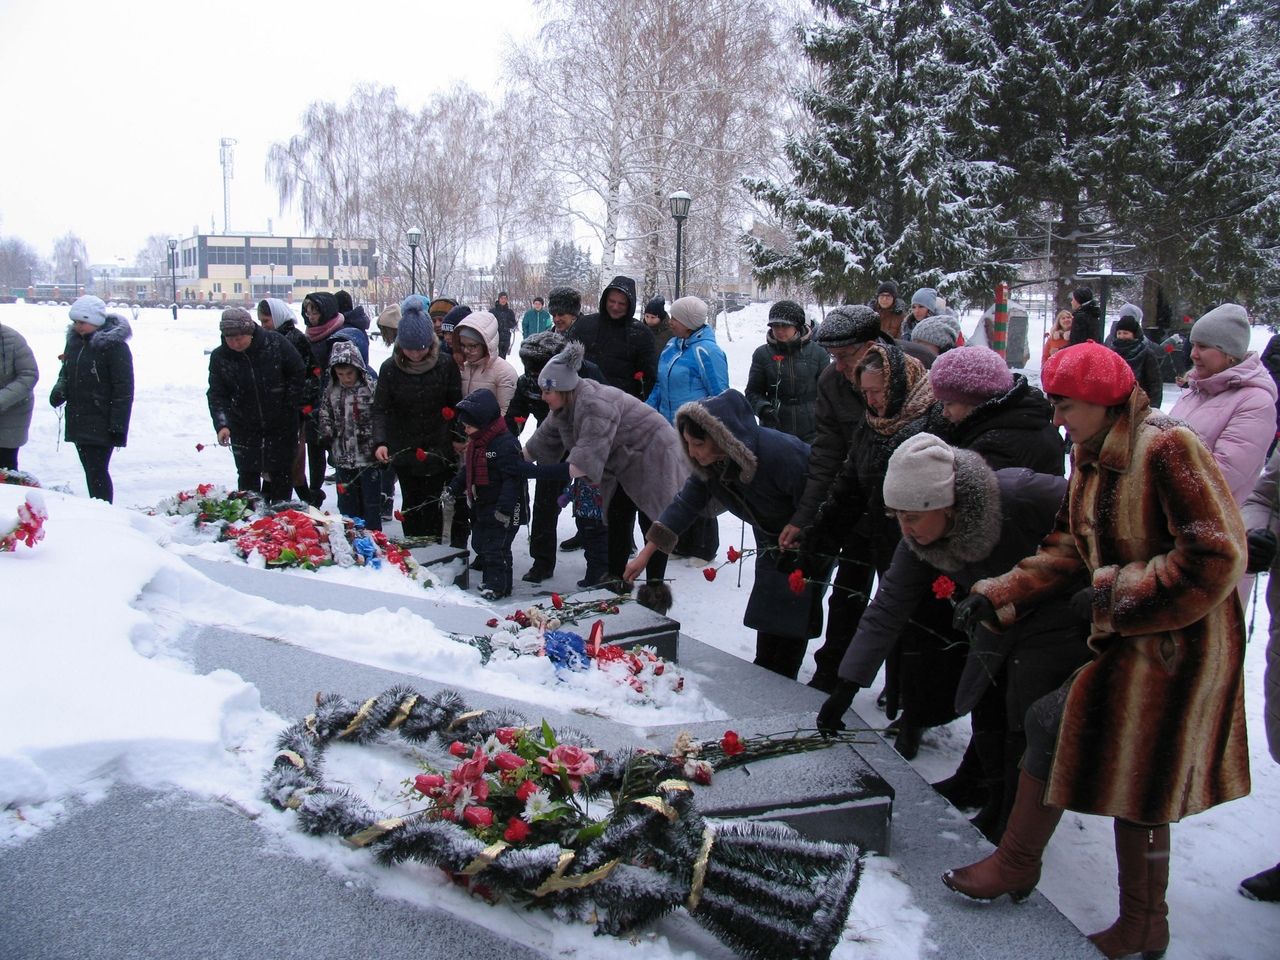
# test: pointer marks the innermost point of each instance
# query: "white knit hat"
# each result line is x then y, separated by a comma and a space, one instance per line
921, 475
689, 311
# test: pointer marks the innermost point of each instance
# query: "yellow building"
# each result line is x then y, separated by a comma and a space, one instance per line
217, 268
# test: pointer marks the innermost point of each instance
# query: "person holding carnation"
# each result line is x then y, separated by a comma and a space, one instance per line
1149, 542
782, 386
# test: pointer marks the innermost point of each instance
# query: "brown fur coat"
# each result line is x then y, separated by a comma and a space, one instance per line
1153, 729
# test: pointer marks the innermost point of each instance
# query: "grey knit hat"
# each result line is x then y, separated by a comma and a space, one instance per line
235, 322
926, 297
1132, 310
921, 475
536, 350
690, 312
416, 331
788, 312
848, 326
390, 317
561, 371
941, 331
1225, 327
89, 309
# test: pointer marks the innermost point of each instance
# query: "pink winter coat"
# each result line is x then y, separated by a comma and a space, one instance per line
1234, 414
492, 372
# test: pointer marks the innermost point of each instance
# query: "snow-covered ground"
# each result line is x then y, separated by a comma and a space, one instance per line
93, 609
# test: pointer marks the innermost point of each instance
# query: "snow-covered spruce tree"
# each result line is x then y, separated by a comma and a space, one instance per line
891, 180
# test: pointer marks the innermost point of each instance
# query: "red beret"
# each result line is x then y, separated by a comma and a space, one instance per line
1089, 372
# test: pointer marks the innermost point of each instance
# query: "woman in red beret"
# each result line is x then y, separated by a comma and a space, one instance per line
1152, 730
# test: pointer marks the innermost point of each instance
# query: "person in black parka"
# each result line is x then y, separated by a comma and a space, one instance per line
758, 475
417, 384
96, 384
782, 386
619, 344
492, 478
255, 397
1086, 320
1139, 353
506, 318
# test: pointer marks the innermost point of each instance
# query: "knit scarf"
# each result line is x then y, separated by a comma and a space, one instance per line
321, 331
416, 366
910, 395
477, 447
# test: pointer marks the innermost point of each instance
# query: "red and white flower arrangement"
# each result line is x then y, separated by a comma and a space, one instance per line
29, 527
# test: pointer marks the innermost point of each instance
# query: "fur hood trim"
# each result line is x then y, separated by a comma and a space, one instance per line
715, 416
976, 520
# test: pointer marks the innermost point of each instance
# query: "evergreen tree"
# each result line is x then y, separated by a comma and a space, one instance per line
568, 266
892, 180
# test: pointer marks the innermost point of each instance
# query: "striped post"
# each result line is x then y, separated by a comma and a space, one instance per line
1000, 331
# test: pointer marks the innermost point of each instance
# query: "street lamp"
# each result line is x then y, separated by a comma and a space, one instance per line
273, 279
173, 273
76, 265
680, 202
415, 234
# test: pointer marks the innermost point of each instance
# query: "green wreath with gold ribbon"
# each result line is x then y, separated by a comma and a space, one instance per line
759, 887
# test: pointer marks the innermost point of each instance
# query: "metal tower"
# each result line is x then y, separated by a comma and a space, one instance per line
225, 154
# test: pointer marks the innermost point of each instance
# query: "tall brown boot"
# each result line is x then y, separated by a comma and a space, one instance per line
1015, 866
1142, 856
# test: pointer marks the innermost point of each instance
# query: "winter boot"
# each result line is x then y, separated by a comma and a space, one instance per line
655, 595
1142, 856
1263, 886
1015, 866
966, 788
538, 572
595, 545
907, 739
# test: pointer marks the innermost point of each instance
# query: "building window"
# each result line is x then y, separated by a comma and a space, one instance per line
239, 288
217, 288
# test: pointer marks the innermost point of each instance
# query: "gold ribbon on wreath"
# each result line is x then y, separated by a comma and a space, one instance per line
700, 870
557, 882
402, 714
372, 833
359, 718
484, 858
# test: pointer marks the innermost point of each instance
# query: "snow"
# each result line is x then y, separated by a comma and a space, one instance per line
94, 609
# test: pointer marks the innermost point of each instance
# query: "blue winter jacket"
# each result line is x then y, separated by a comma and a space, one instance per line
689, 369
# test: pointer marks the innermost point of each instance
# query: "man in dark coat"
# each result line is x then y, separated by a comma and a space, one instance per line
255, 396
96, 384
617, 342
1086, 320
840, 418
506, 318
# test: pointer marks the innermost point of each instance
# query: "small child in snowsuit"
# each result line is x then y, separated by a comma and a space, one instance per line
345, 423
492, 476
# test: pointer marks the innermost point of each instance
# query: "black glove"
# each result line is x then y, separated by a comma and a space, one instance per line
829, 717
1262, 550
971, 612
1082, 604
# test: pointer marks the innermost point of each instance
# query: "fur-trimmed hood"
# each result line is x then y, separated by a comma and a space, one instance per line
115, 329
975, 528
730, 424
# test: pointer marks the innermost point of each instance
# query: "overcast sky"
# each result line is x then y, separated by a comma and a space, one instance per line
113, 112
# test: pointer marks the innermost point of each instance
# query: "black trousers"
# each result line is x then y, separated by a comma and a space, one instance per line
9, 458
420, 502
782, 655
542, 528
622, 515
274, 487
492, 544
96, 460
361, 495
850, 593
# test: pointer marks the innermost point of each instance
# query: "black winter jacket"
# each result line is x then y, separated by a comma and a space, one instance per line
96, 384
1145, 364
839, 417
407, 414
1014, 429
257, 395
620, 348
1086, 324
506, 464
782, 393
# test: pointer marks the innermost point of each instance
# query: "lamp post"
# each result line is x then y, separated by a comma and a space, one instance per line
272, 266
76, 266
173, 273
415, 234
680, 202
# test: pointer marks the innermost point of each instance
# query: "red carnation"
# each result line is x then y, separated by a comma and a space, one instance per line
944, 588
796, 581
733, 555
557, 601
315, 371
516, 831
520, 421
638, 375
478, 816
459, 749
777, 358
342, 488
709, 572
420, 454
731, 744
525, 790
1168, 348
307, 409
448, 413
398, 515
491, 622
428, 783
199, 447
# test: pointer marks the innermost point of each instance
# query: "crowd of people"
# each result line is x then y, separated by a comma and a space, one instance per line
1088, 621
